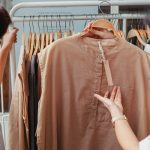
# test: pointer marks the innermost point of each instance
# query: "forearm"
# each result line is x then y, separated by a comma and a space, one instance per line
4, 51
125, 135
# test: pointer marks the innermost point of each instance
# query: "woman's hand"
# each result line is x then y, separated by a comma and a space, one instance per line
113, 103
10, 38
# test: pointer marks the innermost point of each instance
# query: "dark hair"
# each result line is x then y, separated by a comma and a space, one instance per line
5, 20
147, 20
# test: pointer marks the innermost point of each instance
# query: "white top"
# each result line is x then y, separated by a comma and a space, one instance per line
145, 143
147, 48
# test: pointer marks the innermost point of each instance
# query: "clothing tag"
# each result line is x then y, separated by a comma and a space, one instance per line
106, 66
108, 73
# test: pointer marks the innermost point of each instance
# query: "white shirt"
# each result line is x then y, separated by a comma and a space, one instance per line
147, 48
145, 143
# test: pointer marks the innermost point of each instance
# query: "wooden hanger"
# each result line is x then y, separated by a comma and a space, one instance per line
55, 35
122, 34
37, 45
119, 33
23, 35
148, 31
46, 34
23, 39
144, 33
51, 37
42, 41
32, 46
101, 24
29, 43
47, 39
134, 33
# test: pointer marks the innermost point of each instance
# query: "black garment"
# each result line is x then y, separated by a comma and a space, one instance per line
133, 40
33, 101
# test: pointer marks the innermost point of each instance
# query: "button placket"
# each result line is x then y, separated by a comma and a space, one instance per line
106, 65
96, 88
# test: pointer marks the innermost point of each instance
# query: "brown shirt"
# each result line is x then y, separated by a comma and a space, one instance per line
70, 118
18, 117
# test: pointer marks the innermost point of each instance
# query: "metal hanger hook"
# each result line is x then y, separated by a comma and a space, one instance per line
30, 24
104, 1
23, 22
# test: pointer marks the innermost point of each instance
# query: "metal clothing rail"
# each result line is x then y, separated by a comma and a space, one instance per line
70, 4
78, 17
78, 4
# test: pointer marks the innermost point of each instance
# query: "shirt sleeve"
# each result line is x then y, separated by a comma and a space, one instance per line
145, 143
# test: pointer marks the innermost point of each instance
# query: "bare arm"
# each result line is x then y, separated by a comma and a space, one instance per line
8, 40
124, 133
3, 58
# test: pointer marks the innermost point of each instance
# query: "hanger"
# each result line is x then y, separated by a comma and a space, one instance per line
73, 31
38, 36
47, 34
37, 43
32, 43
29, 40
69, 33
100, 24
23, 35
65, 33
139, 29
60, 32
43, 38
56, 33
134, 33
122, 34
104, 24
147, 33
51, 33
142, 30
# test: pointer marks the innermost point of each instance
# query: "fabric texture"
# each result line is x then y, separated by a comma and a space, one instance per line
18, 116
69, 117
33, 102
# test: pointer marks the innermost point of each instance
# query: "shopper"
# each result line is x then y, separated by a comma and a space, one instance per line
124, 133
7, 41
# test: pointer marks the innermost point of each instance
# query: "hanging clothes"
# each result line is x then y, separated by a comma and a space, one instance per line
72, 70
33, 101
18, 138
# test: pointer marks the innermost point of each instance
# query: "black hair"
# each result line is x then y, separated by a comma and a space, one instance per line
5, 20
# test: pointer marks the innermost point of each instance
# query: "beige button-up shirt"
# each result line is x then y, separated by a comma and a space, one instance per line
69, 116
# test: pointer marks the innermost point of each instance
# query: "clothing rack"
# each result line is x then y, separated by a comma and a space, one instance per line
71, 4
58, 4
